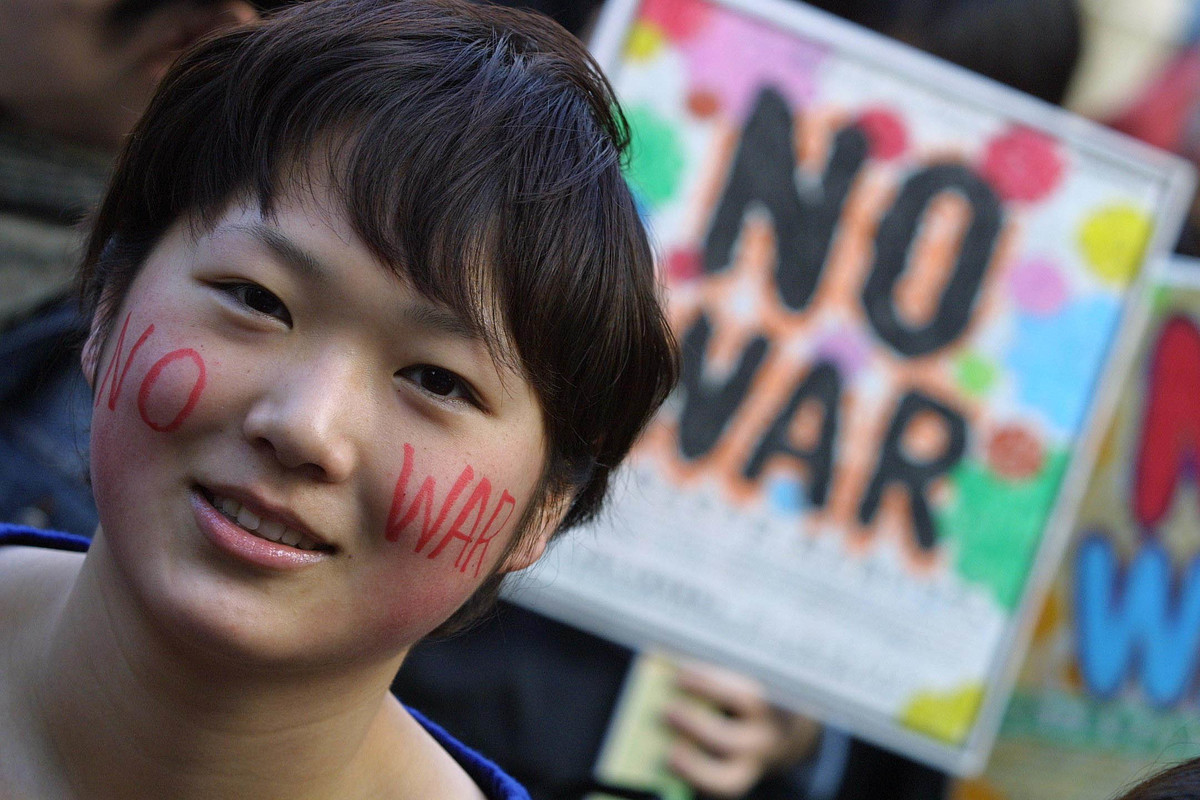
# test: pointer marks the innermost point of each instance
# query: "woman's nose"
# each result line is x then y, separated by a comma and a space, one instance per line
306, 417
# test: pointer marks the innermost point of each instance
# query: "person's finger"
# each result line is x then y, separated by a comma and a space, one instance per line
720, 733
736, 693
725, 778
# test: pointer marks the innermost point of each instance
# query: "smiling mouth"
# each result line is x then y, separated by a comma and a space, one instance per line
264, 528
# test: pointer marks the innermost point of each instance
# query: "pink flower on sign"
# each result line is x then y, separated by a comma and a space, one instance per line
886, 133
735, 58
1023, 165
847, 348
678, 19
1038, 286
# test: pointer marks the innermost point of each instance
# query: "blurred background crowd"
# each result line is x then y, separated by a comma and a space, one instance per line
534, 694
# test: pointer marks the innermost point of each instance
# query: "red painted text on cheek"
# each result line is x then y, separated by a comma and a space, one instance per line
161, 403
469, 526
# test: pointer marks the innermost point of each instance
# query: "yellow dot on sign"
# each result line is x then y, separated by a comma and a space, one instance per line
645, 40
946, 716
1113, 241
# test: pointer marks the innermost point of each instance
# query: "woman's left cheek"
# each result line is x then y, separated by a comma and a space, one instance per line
164, 384
456, 520
172, 389
150, 388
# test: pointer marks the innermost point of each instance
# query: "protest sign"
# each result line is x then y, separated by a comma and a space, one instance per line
1108, 693
897, 288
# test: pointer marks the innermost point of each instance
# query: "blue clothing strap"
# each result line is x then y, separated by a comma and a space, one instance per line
494, 781
25, 536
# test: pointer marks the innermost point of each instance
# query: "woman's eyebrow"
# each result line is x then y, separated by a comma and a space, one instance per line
286, 250
443, 320
423, 313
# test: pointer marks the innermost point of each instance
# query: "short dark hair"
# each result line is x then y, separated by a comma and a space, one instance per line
1180, 782
477, 150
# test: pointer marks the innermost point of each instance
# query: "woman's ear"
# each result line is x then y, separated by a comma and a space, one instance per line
527, 551
89, 357
93, 346
97, 334
532, 544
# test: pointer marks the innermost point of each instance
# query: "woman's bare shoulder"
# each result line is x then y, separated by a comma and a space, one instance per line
33, 583
33, 580
419, 766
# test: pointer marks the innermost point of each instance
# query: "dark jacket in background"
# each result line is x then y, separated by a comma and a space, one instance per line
536, 696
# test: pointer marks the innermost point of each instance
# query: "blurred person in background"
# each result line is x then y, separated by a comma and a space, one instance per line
1031, 45
74, 76
81, 71
1140, 74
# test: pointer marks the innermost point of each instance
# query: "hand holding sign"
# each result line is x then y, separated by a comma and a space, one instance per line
728, 735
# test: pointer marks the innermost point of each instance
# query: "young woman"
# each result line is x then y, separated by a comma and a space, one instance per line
373, 319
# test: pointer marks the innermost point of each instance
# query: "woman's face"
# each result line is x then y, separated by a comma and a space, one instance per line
296, 457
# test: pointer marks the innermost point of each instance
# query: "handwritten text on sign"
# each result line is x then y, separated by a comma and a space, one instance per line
926, 435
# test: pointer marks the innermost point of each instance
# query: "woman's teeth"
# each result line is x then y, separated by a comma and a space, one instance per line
270, 529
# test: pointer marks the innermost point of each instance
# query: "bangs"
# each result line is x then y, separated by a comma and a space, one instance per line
442, 157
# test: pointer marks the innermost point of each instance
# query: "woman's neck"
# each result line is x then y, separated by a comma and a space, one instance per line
129, 711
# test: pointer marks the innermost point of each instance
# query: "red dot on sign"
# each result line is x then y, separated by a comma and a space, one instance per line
1015, 453
683, 265
886, 133
1022, 164
703, 104
679, 19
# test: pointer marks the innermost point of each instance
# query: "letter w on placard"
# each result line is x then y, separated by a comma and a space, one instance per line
1144, 618
709, 405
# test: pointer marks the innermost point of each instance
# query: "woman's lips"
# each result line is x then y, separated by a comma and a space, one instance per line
263, 526
234, 538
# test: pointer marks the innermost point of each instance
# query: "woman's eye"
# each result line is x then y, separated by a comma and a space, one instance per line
258, 299
438, 381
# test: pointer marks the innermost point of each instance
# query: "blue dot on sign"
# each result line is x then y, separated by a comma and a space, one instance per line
786, 495
1058, 381
1192, 35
